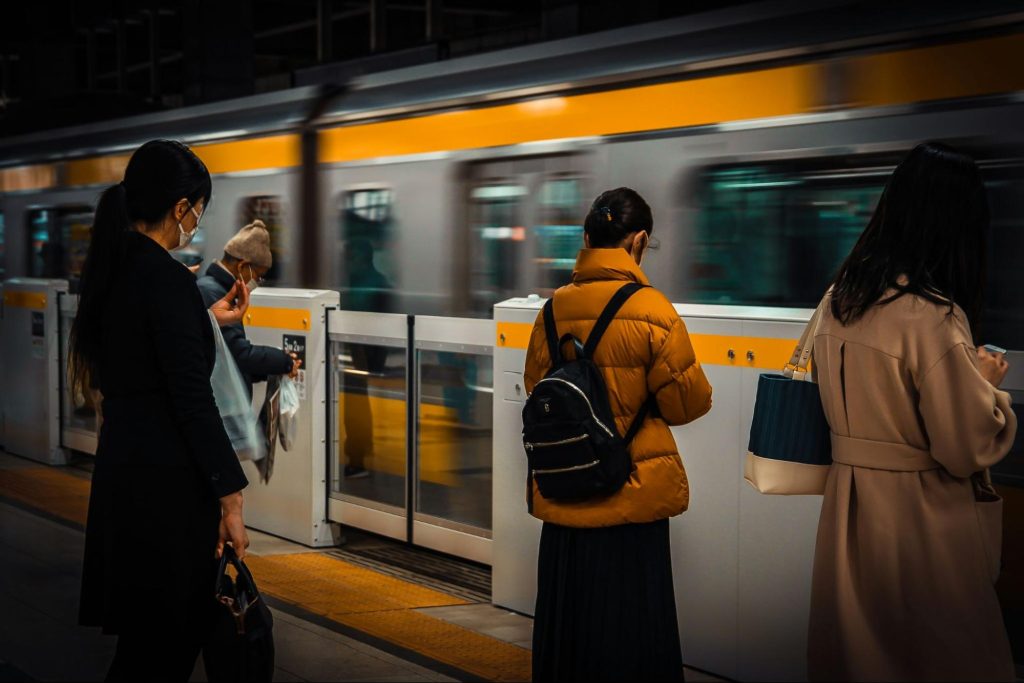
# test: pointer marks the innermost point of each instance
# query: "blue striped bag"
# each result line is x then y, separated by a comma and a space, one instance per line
790, 448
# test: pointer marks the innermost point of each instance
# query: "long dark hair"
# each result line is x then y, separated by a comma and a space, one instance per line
614, 215
930, 226
158, 175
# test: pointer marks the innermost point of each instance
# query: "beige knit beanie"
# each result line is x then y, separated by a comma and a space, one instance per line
252, 243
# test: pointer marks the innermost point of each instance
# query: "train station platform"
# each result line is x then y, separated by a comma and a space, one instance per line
370, 609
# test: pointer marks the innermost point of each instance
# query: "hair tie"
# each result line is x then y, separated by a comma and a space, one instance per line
607, 213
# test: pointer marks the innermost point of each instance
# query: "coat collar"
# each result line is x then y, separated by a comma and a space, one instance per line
219, 273
607, 264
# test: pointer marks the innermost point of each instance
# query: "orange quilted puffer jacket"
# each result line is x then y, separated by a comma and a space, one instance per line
645, 350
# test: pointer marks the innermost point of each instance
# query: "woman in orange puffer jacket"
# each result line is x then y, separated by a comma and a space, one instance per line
605, 603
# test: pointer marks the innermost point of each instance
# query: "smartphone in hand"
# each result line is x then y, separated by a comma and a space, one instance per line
992, 348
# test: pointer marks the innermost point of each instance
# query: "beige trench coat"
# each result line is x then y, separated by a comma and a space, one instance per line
907, 554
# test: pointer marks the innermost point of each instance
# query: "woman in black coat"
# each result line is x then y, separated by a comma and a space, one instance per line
166, 490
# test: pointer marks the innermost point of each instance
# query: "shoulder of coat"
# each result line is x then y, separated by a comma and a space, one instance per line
921, 316
650, 305
928, 330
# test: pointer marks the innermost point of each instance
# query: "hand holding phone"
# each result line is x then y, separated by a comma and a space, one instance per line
992, 364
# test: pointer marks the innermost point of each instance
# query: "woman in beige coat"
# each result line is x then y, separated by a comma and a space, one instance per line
908, 544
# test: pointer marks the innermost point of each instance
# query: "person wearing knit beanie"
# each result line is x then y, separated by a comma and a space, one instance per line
247, 257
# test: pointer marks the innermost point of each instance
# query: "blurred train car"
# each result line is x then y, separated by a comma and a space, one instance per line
761, 140
762, 136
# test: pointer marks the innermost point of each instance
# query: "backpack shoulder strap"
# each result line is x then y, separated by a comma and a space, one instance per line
607, 315
648, 409
551, 332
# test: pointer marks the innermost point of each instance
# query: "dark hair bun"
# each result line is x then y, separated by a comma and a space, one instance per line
615, 215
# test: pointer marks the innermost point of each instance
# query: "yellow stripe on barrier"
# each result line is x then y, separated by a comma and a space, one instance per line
278, 318
766, 353
514, 335
763, 353
33, 300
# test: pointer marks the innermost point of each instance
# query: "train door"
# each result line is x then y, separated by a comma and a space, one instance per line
371, 376
524, 218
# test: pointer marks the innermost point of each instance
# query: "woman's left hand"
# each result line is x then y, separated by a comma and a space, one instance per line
233, 306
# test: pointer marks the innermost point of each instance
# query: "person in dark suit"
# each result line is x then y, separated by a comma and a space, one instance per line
247, 258
167, 486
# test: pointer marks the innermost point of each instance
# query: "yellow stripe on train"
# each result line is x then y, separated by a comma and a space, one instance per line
984, 66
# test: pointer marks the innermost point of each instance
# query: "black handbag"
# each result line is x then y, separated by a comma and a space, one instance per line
241, 643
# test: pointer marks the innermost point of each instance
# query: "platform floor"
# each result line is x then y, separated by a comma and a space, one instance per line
338, 615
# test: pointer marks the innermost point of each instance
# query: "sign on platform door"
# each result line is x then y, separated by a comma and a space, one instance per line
296, 344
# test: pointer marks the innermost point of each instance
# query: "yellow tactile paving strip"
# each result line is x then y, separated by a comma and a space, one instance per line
383, 606
328, 585
379, 605
445, 642
48, 489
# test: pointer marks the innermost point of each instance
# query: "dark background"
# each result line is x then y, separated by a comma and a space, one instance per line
65, 63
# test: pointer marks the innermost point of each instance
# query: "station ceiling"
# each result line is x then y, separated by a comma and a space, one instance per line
64, 62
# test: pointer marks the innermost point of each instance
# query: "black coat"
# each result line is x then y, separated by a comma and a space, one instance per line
256, 363
163, 458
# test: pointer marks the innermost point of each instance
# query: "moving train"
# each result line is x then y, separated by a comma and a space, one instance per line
762, 136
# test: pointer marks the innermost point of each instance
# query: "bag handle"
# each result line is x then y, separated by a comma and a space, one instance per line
246, 593
603, 321
650, 407
608, 314
797, 367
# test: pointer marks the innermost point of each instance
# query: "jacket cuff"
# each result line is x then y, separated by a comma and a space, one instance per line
224, 483
287, 363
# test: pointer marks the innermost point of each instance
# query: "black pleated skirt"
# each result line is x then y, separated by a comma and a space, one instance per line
606, 609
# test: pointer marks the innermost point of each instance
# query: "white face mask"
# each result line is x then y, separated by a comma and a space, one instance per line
185, 238
252, 283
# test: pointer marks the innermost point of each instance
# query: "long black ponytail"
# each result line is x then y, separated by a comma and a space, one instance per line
159, 174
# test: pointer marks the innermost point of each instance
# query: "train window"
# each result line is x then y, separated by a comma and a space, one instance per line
268, 208
498, 237
58, 241
775, 233
367, 225
75, 229
559, 232
41, 255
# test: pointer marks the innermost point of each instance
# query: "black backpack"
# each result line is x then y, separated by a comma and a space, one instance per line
572, 444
